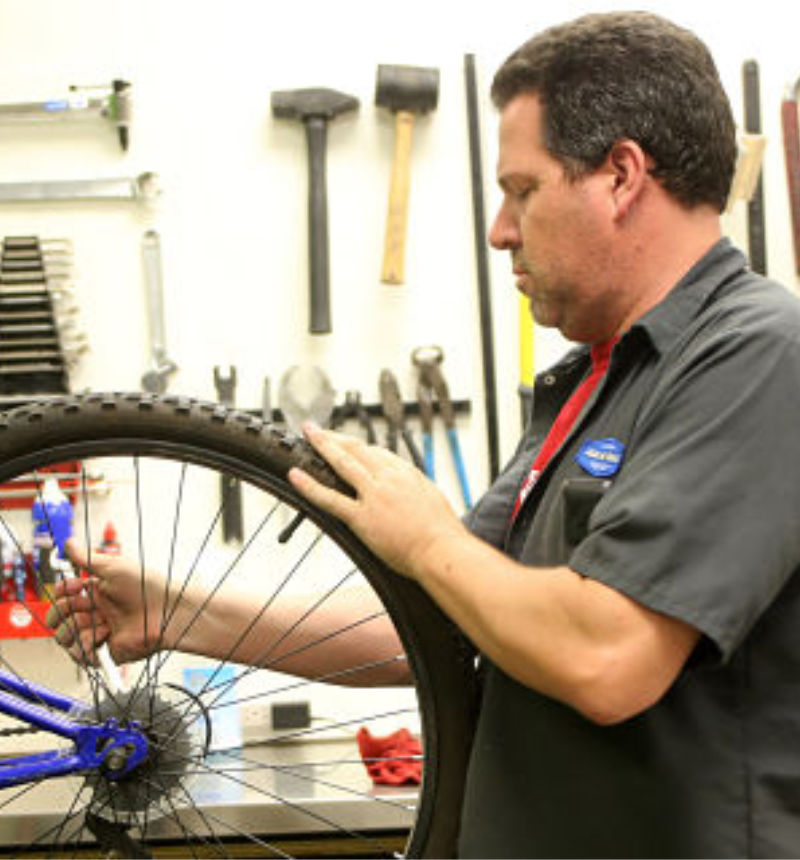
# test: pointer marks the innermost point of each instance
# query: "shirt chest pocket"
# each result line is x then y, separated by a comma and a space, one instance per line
579, 497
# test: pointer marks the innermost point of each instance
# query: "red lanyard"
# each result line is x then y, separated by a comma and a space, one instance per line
601, 356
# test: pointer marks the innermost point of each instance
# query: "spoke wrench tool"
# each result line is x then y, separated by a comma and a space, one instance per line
231, 487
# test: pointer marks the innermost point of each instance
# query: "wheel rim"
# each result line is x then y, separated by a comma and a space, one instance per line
163, 544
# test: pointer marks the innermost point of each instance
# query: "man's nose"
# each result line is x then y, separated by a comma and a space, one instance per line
504, 232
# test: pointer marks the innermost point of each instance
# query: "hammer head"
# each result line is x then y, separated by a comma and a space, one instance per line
311, 102
408, 88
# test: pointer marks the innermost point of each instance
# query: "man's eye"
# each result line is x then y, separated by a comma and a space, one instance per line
522, 192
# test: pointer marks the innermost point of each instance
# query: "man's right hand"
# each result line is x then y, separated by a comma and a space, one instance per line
107, 607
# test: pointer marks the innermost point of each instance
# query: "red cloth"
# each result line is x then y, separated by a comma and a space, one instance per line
601, 356
395, 759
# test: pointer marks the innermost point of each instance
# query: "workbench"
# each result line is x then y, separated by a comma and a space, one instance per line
293, 805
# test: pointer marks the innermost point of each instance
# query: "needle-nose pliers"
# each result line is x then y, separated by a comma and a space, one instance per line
394, 412
354, 408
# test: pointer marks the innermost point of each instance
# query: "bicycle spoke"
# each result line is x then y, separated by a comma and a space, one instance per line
91, 676
293, 771
169, 614
330, 676
294, 614
258, 615
259, 662
175, 816
171, 563
291, 804
205, 815
220, 582
189, 836
57, 829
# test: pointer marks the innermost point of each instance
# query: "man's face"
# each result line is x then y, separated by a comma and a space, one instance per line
558, 230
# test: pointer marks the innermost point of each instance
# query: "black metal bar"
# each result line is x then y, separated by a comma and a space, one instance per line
484, 292
756, 232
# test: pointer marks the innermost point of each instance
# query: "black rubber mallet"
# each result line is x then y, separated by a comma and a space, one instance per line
315, 107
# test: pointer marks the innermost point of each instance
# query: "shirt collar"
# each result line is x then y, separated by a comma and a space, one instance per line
665, 322
670, 317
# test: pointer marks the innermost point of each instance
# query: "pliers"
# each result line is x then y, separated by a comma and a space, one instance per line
394, 413
354, 408
431, 382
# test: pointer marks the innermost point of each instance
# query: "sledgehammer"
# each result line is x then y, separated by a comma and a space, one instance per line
315, 106
405, 90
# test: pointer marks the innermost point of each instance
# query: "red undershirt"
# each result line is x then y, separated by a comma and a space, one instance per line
601, 356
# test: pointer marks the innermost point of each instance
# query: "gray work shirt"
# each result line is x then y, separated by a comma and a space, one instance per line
680, 487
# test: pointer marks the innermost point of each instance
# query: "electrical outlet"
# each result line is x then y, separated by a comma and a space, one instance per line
256, 718
291, 715
262, 722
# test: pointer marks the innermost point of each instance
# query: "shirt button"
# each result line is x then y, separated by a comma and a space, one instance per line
549, 379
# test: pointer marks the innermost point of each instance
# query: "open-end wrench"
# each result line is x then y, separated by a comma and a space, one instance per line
230, 487
144, 188
155, 378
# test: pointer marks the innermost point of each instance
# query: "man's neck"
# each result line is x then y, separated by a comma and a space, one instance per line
664, 250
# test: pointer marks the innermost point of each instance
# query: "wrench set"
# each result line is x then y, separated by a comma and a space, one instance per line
39, 339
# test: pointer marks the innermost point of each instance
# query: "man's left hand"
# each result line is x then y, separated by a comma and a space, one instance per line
398, 512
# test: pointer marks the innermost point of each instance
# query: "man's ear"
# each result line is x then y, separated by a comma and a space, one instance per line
629, 166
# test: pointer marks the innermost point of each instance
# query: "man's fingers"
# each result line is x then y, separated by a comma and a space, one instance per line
96, 562
69, 587
73, 597
76, 553
81, 644
342, 453
323, 497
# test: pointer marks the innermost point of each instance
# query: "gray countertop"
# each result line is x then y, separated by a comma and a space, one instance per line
279, 789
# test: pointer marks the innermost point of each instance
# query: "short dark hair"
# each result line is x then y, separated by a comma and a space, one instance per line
610, 76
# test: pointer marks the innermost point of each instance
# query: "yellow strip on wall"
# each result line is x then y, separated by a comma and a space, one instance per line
526, 348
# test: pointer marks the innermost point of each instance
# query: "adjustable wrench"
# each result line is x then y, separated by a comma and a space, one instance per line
144, 187
231, 487
154, 379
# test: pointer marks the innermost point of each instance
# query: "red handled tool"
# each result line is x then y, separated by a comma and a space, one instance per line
791, 148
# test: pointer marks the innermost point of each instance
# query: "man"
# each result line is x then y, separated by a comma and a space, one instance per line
630, 579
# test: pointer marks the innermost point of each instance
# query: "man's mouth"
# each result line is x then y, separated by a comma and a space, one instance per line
522, 275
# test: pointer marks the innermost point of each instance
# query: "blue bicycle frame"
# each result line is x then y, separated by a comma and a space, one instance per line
117, 749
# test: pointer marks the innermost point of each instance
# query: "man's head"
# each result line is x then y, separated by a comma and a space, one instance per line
617, 149
605, 77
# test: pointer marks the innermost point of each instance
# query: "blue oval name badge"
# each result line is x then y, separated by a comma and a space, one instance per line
601, 458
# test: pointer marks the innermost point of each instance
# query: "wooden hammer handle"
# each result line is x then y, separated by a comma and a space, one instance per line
394, 248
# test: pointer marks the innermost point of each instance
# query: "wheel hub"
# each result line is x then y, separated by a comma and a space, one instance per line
176, 726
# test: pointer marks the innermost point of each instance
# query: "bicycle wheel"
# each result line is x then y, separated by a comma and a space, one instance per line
221, 778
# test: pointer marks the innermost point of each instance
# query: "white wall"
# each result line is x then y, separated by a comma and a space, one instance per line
232, 217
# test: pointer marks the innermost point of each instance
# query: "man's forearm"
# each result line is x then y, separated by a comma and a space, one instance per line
348, 639
572, 638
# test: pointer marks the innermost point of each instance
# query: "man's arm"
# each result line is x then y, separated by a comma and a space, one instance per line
346, 639
349, 640
567, 636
